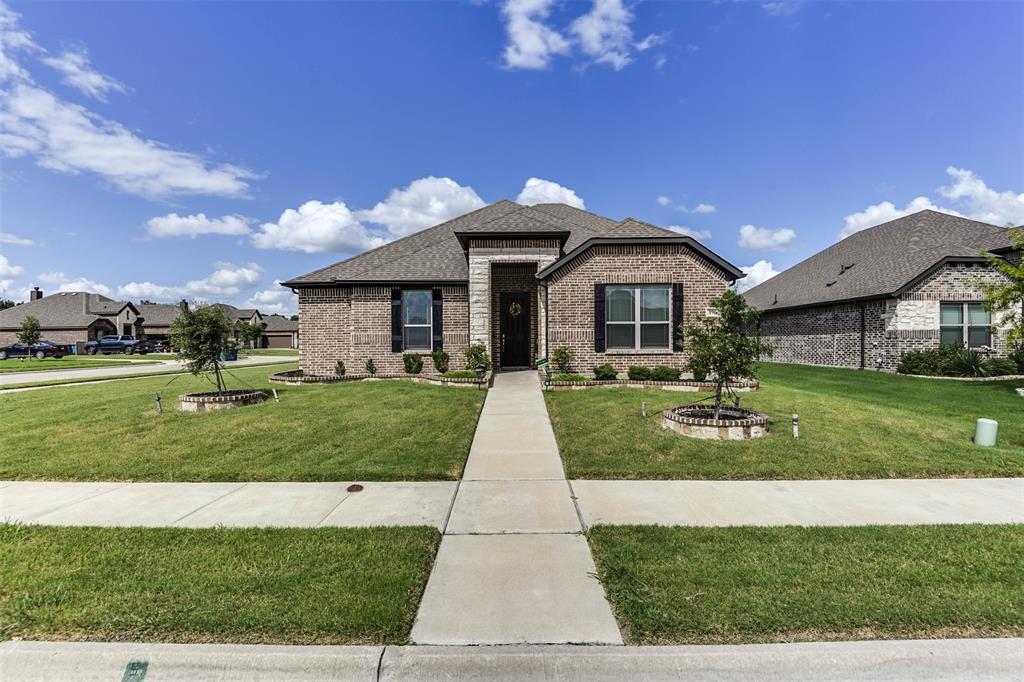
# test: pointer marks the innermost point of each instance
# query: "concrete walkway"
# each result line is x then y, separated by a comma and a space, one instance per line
513, 566
940, 660
166, 366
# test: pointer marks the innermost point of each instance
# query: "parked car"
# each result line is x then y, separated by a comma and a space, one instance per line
114, 343
152, 346
40, 349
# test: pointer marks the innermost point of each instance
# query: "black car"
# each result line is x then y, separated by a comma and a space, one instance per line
40, 349
152, 346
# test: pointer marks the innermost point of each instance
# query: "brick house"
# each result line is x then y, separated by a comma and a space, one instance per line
521, 281
279, 332
71, 317
910, 284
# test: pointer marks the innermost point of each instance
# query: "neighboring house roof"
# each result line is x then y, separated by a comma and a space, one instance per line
880, 261
65, 310
158, 314
236, 314
280, 324
437, 254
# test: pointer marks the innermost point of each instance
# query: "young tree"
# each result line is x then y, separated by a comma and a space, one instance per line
29, 332
249, 333
201, 336
719, 345
1009, 297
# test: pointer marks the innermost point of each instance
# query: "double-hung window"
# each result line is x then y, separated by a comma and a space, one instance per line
966, 323
637, 316
417, 325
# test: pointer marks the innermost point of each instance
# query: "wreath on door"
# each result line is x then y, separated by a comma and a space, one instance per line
515, 309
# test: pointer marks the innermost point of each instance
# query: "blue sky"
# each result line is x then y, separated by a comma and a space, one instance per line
205, 150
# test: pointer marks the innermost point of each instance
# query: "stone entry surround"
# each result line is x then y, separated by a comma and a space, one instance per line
513, 566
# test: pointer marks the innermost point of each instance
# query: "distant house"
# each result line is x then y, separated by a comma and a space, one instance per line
280, 332
157, 318
908, 284
70, 317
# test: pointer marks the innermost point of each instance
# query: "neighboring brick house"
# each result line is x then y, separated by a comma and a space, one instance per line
157, 318
519, 280
909, 284
279, 332
70, 317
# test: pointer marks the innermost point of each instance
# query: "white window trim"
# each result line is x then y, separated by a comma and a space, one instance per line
430, 322
638, 323
965, 326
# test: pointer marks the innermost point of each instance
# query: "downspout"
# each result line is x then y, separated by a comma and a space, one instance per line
863, 337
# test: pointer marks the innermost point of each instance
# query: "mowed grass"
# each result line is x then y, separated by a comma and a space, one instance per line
743, 584
852, 425
283, 352
383, 430
11, 365
292, 586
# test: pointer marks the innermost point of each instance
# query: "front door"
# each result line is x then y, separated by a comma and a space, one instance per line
515, 328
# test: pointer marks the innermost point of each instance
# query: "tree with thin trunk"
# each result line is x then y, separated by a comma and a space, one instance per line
249, 333
719, 345
201, 337
29, 332
1008, 298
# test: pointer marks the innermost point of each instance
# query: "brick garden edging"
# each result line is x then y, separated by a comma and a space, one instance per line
208, 402
691, 386
295, 378
1003, 377
750, 425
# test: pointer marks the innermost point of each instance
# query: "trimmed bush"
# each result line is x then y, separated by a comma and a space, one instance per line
339, 368
569, 377
998, 367
476, 355
606, 372
637, 373
563, 358
931, 362
413, 363
1017, 356
370, 367
440, 361
460, 374
664, 373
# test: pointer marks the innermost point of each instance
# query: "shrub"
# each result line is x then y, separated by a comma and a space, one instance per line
563, 358
665, 373
1017, 357
413, 363
440, 361
997, 367
932, 362
605, 372
370, 367
476, 355
637, 373
569, 377
339, 368
967, 363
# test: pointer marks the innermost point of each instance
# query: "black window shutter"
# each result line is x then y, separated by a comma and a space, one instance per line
599, 318
396, 320
438, 312
677, 316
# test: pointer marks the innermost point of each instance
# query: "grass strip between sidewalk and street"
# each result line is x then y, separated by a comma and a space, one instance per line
17, 366
286, 586
744, 584
117, 377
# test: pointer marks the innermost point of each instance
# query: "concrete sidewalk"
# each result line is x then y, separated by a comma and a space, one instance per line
513, 566
940, 660
163, 367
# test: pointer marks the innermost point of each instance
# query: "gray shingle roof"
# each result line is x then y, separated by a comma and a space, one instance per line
877, 262
158, 314
435, 254
280, 323
66, 310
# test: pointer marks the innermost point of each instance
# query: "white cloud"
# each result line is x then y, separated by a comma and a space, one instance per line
765, 239
79, 74
531, 43
9, 270
664, 201
704, 208
316, 227
699, 235
604, 33
761, 271
68, 138
174, 225
14, 240
884, 212
276, 299
699, 208
58, 282
650, 41
982, 202
227, 279
537, 191
780, 9
424, 203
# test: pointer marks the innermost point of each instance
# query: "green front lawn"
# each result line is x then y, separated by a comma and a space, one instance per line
285, 352
385, 430
291, 586
718, 585
67, 362
852, 425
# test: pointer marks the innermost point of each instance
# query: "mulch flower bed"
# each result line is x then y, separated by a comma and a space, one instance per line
296, 377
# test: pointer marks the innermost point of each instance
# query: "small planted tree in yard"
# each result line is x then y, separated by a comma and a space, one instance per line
29, 331
249, 333
720, 347
201, 336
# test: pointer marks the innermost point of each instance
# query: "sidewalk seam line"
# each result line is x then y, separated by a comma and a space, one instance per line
64, 506
333, 509
207, 504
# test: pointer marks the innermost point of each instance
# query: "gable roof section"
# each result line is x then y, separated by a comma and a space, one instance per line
436, 254
65, 310
280, 323
880, 261
158, 314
